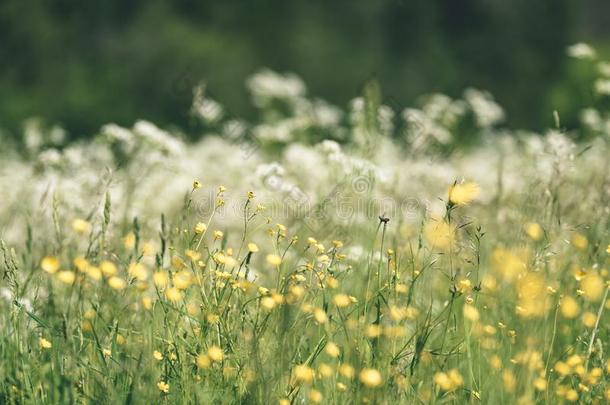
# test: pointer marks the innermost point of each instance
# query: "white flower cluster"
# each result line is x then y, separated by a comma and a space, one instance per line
266, 86
207, 109
486, 111
308, 156
439, 118
581, 51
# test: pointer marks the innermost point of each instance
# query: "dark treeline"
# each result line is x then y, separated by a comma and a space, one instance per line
85, 63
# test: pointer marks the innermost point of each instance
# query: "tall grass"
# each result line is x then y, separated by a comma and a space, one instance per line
360, 270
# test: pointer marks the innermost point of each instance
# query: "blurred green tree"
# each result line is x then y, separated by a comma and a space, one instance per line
86, 63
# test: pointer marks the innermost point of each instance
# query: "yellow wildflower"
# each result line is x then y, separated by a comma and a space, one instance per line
200, 228
129, 240
533, 230
163, 387
341, 300
274, 260
117, 283
161, 279
81, 226
203, 361
215, 353
173, 294
303, 373
332, 349
439, 234
371, 377
66, 277
579, 241
471, 313
315, 396
463, 193
569, 307
50, 264
44, 343
108, 268
593, 287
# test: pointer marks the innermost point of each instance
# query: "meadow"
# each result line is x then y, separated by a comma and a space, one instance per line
372, 254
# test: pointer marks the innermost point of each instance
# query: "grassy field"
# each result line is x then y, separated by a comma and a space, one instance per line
381, 265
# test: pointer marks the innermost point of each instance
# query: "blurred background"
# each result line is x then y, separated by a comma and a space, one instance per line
83, 64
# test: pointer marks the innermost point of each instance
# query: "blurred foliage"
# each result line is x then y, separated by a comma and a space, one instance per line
83, 64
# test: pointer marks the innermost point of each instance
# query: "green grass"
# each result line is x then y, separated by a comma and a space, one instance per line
365, 271
463, 308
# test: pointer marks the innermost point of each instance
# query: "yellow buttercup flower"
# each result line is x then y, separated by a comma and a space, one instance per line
173, 294
108, 268
81, 264
371, 378
81, 226
589, 319
579, 241
569, 307
129, 240
148, 249
203, 361
325, 371
200, 228
346, 370
44, 343
319, 315
332, 349
161, 279
533, 230
315, 396
192, 254
182, 279
373, 331
303, 373
471, 313
449, 381
50, 264
463, 193
147, 303
94, 272
117, 283
274, 260
163, 386
215, 353
138, 271
66, 277
268, 303
342, 300
440, 234
540, 384
531, 289
593, 287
